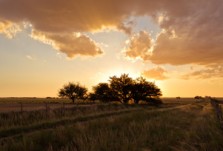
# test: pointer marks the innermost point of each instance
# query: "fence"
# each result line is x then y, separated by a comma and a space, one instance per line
25, 107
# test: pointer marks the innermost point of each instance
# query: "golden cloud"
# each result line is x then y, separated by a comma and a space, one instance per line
139, 46
157, 73
70, 44
193, 31
8, 28
211, 71
69, 15
198, 34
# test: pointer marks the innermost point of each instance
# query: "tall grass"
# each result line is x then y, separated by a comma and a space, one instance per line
159, 130
13, 119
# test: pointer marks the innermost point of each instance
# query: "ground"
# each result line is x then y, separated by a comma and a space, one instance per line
178, 124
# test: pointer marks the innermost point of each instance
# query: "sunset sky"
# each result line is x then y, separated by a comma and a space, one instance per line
46, 43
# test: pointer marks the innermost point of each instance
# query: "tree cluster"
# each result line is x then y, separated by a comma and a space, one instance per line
122, 89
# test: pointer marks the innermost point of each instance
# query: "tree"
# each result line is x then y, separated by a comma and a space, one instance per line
124, 88
121, 87
198, 97
102, 92
139, 90
145, 91
73, 91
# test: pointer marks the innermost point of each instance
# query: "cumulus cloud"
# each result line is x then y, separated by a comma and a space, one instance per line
192, 31
8, 28
192, 34
157, 73
211, 71
69, 15
70, 44
55, 20
139, 45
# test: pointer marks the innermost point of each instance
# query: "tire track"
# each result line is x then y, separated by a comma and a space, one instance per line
13, 132
18, 131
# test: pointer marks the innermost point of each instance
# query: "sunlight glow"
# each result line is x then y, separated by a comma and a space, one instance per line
104, 77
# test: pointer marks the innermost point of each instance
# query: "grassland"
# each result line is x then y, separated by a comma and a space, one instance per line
176, 125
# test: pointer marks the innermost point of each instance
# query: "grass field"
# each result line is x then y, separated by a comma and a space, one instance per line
183, 124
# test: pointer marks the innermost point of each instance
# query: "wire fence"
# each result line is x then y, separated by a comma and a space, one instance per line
25, 107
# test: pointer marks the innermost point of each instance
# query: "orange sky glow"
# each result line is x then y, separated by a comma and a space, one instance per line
46, 43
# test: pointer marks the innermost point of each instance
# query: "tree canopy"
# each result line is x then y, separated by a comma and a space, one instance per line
121, 87
73, 91
124, 88
102, 92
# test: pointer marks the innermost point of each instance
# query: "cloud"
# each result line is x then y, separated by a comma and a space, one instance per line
139, 46
211, 71
70, 44
126, 29
192, 31
29, 57
56, 21
8, 28
155, 73
192, 34
69, 15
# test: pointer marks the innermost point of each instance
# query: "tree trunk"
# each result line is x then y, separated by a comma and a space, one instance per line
136, 101
125, 101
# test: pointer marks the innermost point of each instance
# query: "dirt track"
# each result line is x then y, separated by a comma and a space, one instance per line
13, 132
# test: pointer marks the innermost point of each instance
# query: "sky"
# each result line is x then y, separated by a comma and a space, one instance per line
45, 44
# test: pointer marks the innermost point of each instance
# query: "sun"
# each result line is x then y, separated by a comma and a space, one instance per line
120, 71
104, 77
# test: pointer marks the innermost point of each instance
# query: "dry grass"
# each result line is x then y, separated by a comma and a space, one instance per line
182, 126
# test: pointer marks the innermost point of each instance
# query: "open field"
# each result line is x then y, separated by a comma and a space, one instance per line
35, 104
175, 125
